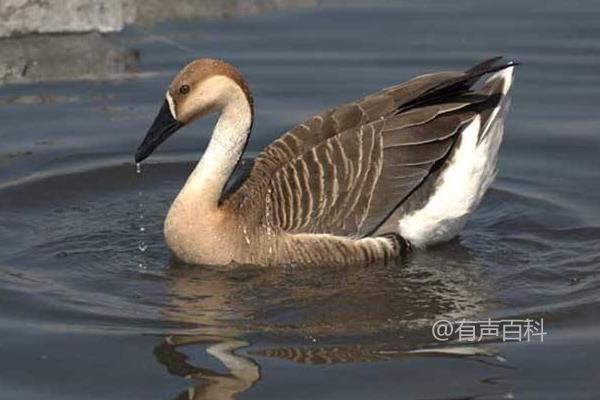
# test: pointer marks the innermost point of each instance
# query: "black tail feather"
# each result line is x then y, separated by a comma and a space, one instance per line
459, 84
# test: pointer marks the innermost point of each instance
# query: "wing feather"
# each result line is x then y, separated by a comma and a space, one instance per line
345, 170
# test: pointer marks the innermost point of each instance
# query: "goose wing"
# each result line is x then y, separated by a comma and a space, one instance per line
344, 171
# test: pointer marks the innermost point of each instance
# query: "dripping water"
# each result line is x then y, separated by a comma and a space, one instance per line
142, 245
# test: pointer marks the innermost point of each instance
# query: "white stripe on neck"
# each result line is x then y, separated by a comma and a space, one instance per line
171, 105
225, 148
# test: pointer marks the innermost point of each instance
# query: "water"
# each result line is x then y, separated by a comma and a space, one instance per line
80, 319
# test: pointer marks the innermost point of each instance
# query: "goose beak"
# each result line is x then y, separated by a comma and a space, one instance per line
164, 125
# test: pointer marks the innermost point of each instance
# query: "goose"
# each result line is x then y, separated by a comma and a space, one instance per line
358, 184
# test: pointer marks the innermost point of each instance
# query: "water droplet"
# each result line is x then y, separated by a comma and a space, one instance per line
142, 246
311, 338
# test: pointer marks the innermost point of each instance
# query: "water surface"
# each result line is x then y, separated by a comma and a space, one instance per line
85, 314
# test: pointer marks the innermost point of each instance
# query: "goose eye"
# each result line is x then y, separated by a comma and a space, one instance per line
185, 89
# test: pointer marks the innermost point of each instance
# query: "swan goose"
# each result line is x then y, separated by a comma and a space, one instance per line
356, 184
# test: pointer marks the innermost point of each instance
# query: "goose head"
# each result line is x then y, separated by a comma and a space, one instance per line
200, 88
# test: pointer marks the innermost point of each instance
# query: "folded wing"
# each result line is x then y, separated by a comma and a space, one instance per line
343, 172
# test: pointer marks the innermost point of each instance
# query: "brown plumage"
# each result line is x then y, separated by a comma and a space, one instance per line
332, 190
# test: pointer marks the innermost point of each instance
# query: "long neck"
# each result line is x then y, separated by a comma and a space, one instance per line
206, 183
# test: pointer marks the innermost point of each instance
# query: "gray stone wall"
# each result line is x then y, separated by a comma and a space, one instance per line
21, 17
49, 40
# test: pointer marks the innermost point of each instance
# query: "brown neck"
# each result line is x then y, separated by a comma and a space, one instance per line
230, 135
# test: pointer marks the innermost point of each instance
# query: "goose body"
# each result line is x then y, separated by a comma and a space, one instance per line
356, 184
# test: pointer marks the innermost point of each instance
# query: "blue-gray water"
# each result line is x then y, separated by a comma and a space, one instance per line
79, 317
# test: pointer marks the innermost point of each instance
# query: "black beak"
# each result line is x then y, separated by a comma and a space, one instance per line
164, 125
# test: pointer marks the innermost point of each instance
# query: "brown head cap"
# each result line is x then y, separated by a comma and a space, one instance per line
195, 73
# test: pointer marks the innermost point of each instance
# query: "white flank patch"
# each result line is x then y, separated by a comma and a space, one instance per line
470, 171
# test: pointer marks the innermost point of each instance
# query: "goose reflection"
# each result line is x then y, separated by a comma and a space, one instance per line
200, 298
242, 373
331, 316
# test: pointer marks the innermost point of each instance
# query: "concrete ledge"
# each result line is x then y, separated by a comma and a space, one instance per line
49, 40
22, 17
52, 57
